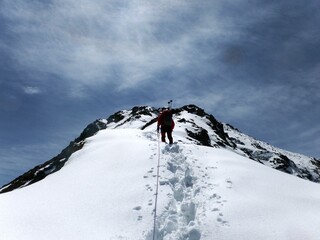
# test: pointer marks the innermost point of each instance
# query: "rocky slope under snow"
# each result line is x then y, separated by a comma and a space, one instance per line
200, 128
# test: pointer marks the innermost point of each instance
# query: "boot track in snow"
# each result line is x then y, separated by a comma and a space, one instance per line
179, 220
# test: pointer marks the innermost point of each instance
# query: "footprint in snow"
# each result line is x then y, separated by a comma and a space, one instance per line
229, 183
149, 188
223, 222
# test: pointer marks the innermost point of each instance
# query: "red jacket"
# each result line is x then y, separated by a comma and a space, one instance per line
162, 116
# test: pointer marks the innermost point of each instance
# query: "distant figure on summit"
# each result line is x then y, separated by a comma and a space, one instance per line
166, 123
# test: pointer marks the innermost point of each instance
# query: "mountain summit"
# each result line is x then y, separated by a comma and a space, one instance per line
200, 128
214, 183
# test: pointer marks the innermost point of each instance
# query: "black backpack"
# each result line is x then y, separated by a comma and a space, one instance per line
167, 118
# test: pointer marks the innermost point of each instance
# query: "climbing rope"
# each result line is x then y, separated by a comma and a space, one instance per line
156, 198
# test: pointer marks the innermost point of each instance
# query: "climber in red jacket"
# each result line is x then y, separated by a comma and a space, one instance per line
166, 123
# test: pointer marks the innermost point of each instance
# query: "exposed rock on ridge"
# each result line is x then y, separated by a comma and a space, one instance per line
200, 127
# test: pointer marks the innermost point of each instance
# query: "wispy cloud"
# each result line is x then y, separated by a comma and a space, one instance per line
236, 57
123, 43
31, 90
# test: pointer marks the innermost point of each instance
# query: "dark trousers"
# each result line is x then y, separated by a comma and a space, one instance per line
166, 130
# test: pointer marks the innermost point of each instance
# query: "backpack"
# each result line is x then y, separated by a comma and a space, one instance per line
167, 118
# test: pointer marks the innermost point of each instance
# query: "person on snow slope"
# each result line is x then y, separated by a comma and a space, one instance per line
166, 123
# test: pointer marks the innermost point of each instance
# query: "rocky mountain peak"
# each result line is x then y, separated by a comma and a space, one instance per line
200, 127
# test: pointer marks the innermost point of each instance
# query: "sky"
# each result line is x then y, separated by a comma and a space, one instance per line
66, 63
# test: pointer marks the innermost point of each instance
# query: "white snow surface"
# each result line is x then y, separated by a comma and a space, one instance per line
106, 191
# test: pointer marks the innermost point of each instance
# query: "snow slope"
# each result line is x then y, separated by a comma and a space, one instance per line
196, 127
106, 191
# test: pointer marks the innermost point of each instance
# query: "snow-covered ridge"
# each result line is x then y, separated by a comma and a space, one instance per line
212, 185
106, 190
293, 163
196, 127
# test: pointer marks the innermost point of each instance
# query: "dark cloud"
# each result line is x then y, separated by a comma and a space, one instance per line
283, 42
